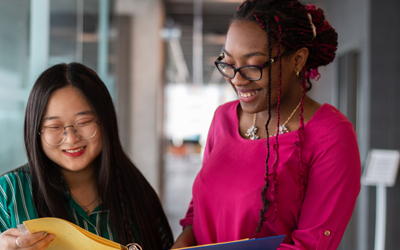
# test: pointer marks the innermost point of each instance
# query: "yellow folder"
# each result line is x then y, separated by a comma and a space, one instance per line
70, 236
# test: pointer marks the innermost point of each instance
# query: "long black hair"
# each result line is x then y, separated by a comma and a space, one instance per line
125, 193
291, 26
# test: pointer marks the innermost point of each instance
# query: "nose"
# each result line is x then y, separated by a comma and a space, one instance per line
238, 80
70, 136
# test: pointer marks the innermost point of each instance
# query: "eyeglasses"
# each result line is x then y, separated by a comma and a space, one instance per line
248, 72
55, 135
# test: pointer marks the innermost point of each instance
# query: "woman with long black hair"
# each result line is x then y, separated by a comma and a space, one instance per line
77, 169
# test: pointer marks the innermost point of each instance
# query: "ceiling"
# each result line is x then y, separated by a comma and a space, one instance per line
216, 17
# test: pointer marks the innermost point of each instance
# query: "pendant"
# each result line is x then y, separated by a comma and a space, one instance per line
252, 133
281, 130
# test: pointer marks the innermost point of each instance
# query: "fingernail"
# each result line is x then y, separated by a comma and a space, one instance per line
44, 234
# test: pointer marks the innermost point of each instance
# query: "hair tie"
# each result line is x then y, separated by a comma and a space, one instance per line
313, 74
314, 29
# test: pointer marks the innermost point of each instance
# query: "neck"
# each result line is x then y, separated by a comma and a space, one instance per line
83, 187
84, 179
286, 108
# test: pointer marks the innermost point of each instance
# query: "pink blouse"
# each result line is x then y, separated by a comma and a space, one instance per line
311, 203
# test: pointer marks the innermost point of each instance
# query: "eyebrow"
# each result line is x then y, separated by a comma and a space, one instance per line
85, 112
246, 56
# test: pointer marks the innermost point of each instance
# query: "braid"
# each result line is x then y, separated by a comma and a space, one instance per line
279, 83
260, 21
244, 9
240, 6
264, 200
300, 133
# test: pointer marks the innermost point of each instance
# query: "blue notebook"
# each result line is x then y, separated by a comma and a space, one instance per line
268, 243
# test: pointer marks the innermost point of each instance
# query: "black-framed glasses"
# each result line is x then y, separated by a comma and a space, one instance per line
54, 135
248, 72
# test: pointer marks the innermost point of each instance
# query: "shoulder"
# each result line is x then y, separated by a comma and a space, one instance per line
228, 109
20, 171
329, 120
16, 203
18, 176
329, 114
225, 115
330, 131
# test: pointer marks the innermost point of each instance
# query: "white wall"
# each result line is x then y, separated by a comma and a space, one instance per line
146, 96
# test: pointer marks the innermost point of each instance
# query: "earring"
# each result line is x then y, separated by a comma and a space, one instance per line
297, 74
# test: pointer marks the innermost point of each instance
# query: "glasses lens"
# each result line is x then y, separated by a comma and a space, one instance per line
53, 135
225, 69
85, 128
251, 73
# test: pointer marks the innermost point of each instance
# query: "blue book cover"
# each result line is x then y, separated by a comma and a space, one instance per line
268, 243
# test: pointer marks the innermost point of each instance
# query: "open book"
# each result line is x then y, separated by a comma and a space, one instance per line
70, 236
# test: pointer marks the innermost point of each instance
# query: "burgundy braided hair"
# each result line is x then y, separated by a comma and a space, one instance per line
300, 133
287, 23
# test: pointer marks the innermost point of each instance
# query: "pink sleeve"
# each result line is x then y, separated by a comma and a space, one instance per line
188, 220
332, 190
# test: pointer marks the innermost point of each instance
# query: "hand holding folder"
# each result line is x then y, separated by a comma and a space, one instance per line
70, 236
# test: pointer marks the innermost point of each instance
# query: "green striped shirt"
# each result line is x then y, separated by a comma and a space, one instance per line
16, 206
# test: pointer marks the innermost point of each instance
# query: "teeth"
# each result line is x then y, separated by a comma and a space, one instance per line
74, 151
248, 94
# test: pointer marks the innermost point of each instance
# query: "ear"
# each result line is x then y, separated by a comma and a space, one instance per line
300, 58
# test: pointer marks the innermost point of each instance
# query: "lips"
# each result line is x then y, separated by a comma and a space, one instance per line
74, 152
247, 95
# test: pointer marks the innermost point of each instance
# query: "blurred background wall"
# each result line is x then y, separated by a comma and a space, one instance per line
156, 57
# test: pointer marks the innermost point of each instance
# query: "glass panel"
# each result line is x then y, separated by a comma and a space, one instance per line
63, 31
14, 59
73, 37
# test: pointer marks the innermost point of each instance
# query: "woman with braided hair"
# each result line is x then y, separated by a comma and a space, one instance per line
275, 141
77, 169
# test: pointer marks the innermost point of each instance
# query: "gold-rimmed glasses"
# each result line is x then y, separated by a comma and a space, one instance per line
55, 134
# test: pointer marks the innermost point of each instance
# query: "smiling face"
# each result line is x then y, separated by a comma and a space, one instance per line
246, 44
64, 107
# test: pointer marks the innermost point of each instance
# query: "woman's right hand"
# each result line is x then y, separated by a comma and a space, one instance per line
11, 238
185, 239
